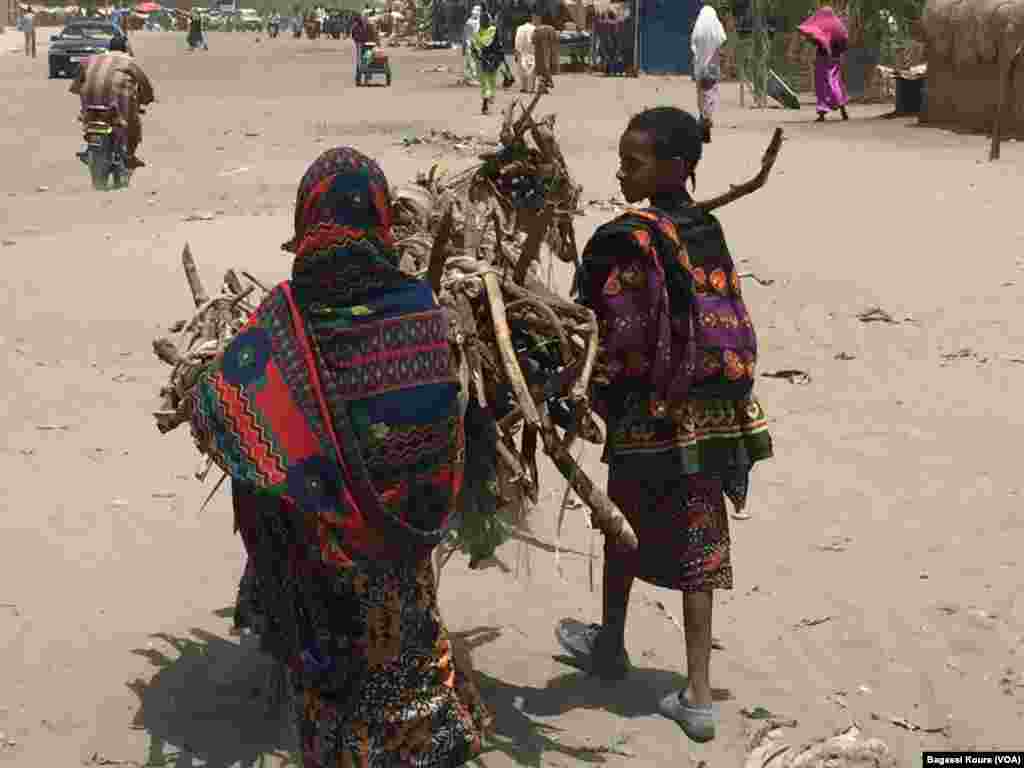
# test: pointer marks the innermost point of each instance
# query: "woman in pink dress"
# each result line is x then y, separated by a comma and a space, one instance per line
827, 31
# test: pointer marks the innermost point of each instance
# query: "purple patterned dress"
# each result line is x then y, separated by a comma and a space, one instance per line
684, 429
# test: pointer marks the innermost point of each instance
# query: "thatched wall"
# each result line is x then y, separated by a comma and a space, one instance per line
969, 44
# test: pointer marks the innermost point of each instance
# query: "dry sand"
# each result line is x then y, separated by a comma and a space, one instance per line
114, 591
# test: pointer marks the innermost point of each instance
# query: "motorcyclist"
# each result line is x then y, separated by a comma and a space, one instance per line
114, 79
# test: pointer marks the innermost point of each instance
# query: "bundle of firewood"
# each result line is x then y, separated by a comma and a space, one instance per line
524, 354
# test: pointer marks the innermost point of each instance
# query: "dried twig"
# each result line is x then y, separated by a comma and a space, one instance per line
195, 283
737, 191
440, 250
510, 362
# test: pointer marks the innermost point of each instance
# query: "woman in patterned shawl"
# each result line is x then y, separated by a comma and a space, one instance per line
684, 428
335, 412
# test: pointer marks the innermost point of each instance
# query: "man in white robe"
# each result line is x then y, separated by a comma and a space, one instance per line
468, 36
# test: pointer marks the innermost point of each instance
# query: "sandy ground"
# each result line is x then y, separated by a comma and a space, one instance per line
892, 508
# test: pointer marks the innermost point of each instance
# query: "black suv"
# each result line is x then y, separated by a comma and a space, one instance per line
79, 41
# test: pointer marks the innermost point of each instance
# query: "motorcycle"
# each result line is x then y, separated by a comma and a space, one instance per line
106, 149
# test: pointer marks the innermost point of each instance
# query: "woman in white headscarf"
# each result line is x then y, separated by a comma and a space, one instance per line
706, 43
470, 32
525, 57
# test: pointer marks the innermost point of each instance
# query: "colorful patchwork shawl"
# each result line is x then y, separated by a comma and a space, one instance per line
275, 413
679, 343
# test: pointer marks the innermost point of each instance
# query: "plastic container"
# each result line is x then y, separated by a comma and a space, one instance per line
909, 95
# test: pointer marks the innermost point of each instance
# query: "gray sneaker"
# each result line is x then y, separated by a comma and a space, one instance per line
589, 645
697, 722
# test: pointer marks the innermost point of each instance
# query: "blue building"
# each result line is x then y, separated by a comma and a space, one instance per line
665, 27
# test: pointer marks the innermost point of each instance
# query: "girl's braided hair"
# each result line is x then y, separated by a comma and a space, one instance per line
677, 135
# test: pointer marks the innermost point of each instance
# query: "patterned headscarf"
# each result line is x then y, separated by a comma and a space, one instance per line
342, 188
827, 30
343, 241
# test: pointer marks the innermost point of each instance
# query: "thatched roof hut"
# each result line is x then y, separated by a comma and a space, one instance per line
969, 47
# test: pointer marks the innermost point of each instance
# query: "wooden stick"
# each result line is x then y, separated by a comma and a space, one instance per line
257, 282
527, 117
534, 288
507, 134
1005, 88
538, 228
581, 389
195, 283
471, 340
552, 318
439, 251
507, 422
232, 282
503, 258
528, 450
521, 475
167, 351
607, 517
241, 296
503, 339
737, 191
223, 477
569, 253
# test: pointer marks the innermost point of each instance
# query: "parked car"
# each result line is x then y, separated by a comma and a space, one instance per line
77, 42
213, 20
249, 21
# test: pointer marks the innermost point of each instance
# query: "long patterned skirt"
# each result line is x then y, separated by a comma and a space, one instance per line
708, 99
375, 683
828, 84
680, 521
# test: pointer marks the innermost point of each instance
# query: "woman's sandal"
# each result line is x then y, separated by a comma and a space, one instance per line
697, 722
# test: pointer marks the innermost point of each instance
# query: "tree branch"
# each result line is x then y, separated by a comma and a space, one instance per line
737, 191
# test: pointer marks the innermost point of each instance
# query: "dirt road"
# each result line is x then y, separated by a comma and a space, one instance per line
893, 507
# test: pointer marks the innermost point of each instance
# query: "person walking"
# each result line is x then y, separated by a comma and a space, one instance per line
196, 32
469, 33
706, 43
683, 425
829, 35
490, 56
526, 60
28, 26
349, 483
611, 44
546, 51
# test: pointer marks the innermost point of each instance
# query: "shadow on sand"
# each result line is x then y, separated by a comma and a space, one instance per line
527, 741
206, 702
